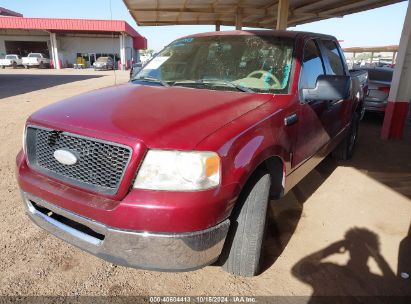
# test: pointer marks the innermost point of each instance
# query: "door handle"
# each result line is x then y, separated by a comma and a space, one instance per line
291, 119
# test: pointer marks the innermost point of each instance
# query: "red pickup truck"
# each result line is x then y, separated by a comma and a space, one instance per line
174, 170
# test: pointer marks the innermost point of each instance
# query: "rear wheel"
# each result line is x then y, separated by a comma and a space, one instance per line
242, 250
14, 65
26, 66
3, 67
41, 65
345, 149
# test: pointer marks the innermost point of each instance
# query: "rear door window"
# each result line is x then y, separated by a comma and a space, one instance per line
336, 66
313, 65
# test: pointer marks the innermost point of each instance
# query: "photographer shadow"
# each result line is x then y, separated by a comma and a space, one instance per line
404, 264
353, 279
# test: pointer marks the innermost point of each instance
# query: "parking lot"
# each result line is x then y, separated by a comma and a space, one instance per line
366, 200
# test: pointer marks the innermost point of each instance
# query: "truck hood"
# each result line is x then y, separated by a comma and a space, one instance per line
160, 117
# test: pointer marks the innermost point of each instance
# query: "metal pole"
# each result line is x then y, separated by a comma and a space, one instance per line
400, 93
122, 51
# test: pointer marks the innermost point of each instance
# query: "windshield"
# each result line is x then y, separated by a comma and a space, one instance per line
36, 55
254, 63
102, 59
11, 56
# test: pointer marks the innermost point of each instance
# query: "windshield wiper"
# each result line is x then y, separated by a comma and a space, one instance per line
152, 79
229, 83
215, 81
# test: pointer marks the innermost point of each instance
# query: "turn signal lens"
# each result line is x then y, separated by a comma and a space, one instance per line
212, 165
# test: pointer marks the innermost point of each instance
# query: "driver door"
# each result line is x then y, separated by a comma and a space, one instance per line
314, 116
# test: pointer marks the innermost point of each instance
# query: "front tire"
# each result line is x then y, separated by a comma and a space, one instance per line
242, 250
345, 150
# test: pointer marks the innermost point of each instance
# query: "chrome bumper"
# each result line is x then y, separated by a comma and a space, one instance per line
145, 250
371, 105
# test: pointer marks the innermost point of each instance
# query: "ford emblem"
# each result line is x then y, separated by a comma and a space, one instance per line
65, 157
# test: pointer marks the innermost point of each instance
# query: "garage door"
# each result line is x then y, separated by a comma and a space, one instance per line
25, 47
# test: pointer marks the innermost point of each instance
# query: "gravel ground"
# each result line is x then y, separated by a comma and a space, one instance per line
372, 191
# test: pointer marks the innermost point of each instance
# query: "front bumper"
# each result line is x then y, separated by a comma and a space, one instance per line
103, 67
138, 249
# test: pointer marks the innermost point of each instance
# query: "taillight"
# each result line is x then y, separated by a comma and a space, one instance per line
384, 89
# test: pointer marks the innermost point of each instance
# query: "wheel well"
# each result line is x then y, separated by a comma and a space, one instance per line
275, 167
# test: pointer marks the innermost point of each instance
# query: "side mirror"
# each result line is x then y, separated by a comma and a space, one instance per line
328, 87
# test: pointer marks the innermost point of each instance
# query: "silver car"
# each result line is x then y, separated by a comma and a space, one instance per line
103, 63
379, 85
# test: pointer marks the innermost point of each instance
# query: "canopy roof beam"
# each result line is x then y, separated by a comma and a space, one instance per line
282, 14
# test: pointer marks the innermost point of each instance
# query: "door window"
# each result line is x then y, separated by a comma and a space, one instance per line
334, 57
313, 65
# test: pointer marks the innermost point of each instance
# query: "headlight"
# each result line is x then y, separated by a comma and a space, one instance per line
178, 171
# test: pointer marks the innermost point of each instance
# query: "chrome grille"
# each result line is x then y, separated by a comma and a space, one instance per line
100, 165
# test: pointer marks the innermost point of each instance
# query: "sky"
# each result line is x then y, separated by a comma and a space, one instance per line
377, 27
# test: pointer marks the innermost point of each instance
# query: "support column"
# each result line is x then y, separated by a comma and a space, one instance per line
282, 15
238, 20
400, 92
123, 51
217, 26
54, 51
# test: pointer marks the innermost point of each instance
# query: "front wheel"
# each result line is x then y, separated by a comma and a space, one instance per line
242, 250
345, 150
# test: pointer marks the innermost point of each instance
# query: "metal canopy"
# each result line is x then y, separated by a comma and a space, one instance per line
360, 49
248, 13
7, 12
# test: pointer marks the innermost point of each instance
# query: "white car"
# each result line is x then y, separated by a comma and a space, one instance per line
11, 60
36, 60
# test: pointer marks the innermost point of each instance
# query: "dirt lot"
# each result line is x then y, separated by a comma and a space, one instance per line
372, 191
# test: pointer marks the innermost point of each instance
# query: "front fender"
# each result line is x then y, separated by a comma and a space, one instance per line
248, 142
